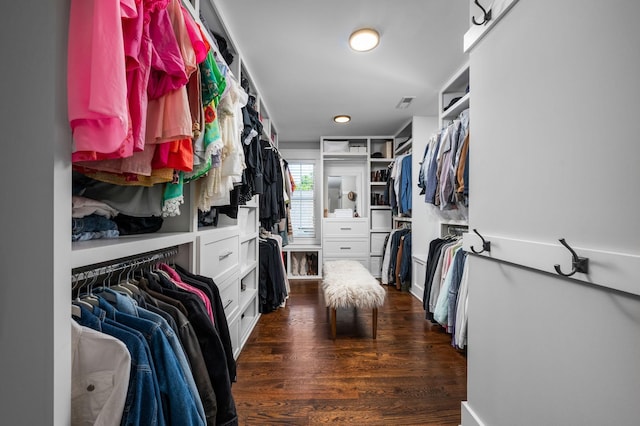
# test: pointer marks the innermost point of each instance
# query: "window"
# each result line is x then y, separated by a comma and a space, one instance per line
303, 200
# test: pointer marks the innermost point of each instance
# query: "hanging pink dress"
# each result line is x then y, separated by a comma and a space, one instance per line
96, 77
169, 118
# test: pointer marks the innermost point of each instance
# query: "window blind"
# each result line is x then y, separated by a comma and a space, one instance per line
303, 200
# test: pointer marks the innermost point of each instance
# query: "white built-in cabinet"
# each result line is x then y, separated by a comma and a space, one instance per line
403, 145
380, 159
38, 256
360, 236
453, 98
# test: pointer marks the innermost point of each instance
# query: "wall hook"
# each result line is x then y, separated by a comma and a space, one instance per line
487, 15
486, 245
579, 264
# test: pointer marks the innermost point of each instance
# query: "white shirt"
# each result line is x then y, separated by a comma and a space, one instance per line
461, 309
100, 368
386, 260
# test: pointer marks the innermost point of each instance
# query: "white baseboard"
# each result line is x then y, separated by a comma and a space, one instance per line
469, 417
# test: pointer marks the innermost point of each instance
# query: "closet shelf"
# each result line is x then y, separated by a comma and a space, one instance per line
401, 219
378, 183
301, 247
247, 269
453, 111
248, 237
246, 297
85, 253
345, 155
381, 160
404, 148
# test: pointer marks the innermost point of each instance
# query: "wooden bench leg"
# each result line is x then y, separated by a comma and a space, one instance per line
333, 323
374, 321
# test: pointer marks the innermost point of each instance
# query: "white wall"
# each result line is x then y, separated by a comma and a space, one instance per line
554, 132
425, 222
35, 347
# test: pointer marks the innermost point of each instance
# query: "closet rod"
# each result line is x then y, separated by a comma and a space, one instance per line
103, 268
456, 230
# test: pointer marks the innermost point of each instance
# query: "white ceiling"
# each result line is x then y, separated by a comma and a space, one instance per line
297, 55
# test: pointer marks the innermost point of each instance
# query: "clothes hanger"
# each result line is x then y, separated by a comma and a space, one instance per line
131, 283
89, 298
75, 310
119, 283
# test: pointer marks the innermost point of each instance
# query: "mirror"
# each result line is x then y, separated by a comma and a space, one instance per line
342, 193
343, 188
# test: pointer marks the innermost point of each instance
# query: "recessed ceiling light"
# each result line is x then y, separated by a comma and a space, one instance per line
342, 118
364, 39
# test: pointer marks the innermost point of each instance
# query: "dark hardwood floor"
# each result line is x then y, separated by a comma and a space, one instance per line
292, 372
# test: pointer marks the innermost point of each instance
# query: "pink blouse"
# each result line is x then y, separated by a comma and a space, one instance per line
167, 66
195, 35
96, 79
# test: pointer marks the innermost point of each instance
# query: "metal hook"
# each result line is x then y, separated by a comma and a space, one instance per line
486, 245
487, 15
579, 264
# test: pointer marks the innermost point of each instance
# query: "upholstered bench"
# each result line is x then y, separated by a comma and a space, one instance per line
348, 284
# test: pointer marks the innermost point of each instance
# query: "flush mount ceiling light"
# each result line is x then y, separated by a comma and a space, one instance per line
342, 118
364, 39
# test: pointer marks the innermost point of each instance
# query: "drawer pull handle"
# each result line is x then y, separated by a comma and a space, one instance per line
229, 302
224, 256
345, 229
345, 248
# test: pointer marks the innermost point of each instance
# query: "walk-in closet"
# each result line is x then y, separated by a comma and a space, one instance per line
179, 172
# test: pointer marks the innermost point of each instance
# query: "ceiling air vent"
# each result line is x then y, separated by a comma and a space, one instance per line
405, 101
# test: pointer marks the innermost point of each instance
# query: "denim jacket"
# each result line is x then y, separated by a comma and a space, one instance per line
178, 404
142, 405
128, 306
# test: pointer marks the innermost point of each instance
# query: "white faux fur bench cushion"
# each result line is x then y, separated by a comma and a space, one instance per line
346, 283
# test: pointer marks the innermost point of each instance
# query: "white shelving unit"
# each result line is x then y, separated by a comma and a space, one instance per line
379, 209
357, 154
42, 362
312, 266
344, 161
248, 219
403, 144
455, 96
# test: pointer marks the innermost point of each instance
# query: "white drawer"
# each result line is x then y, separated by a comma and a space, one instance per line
363, 260
230, 295
346, 248
218, 256
346, 228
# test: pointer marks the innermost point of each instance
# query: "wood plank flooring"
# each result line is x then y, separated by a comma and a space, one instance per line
291, 371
